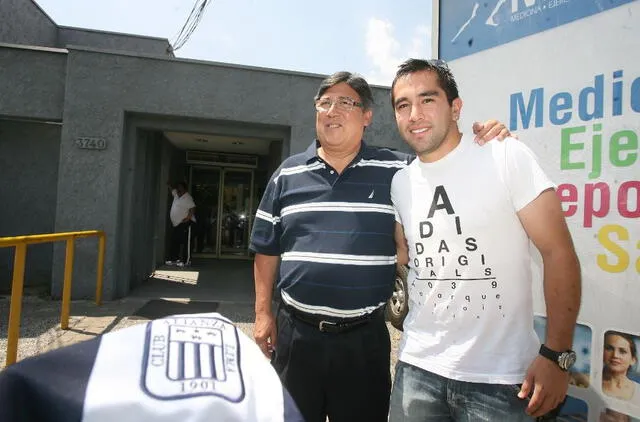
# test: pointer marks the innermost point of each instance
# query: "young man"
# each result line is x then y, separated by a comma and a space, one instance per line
182, 216
469, 351
326, 220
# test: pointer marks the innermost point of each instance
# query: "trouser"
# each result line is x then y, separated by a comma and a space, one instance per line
422, 396
342, 375
181, 242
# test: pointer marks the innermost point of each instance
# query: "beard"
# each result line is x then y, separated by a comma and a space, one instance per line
430, 143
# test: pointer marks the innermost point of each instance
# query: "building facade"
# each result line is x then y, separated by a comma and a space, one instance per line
93, 124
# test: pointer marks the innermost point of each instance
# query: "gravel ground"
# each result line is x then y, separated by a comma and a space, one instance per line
40, 326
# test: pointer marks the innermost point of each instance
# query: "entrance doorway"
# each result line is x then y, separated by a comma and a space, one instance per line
224, 211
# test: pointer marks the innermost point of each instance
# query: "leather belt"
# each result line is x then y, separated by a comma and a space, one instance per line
329, 326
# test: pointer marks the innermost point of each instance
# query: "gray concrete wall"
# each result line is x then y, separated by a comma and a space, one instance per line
24, 22
112, 41
181, 89
162, 218
32, 82
144, 203
29, 162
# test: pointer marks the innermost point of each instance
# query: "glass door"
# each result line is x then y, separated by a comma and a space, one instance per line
235, 213
205, 189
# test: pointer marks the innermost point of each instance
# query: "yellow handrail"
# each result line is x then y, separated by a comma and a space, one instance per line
17, 286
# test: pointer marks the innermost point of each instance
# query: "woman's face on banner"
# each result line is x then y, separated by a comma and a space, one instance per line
617, 354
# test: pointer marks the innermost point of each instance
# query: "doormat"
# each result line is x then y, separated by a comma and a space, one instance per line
160, 308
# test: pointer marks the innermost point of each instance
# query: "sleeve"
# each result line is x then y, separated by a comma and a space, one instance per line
267, 227
524, 176
396, 195
49, 387
189, 202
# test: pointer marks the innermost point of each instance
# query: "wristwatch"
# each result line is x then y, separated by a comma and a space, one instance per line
564, 360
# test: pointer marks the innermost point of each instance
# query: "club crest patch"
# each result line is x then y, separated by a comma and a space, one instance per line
192, 356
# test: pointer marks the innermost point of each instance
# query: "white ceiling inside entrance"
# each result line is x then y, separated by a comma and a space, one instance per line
220, 143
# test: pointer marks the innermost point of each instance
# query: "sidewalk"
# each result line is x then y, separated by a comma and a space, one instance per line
209, 286
40, 326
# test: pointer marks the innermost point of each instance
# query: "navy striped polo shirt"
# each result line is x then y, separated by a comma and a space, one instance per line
334, 232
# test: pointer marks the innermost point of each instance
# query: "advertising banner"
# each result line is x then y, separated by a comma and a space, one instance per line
565, 76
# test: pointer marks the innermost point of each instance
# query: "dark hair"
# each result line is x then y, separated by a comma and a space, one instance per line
445, 78
629, 338
182, 185
355, 81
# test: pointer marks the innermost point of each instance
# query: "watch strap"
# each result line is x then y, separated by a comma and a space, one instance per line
553, 356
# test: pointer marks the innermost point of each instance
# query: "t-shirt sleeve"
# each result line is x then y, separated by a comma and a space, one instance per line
267, 228
396, 195
525, 179
189, 203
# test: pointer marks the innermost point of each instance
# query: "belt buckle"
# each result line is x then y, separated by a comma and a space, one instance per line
324, 324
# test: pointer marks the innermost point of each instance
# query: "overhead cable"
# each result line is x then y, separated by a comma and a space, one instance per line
190, 24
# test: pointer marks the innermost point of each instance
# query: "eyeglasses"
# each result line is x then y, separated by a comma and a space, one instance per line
344, 104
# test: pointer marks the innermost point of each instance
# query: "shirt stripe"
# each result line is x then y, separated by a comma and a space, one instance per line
267, 217
382, 163
327, 310
338, 207
299, 169
340, 259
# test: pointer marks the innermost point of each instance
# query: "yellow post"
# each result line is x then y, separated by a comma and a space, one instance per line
100, 276
16, 303
66, 289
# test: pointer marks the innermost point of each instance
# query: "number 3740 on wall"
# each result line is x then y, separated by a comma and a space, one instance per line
86, 142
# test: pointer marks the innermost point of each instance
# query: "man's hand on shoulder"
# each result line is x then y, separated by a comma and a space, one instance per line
547, 385
484, 132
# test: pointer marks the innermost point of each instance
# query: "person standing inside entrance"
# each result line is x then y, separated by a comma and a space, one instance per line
182, 216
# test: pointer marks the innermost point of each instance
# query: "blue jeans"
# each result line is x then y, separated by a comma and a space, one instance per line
422, 396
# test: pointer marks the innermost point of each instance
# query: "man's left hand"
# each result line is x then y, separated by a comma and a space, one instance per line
549, 384
490, 129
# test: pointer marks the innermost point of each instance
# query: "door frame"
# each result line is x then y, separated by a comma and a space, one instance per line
222, 172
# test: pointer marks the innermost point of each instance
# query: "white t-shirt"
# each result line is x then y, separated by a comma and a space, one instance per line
180, 207
470, 301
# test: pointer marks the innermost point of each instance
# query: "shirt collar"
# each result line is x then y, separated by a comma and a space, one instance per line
366, 152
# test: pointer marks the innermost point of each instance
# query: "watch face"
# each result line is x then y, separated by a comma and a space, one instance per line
566, 360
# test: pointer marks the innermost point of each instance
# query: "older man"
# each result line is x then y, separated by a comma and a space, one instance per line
326, 219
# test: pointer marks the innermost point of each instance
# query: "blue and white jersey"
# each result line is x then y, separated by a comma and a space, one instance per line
334, 232
189, 368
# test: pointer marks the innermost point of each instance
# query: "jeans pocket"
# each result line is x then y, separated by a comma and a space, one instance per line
497, 402
515, 387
